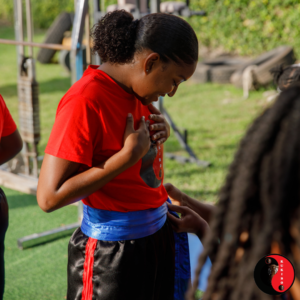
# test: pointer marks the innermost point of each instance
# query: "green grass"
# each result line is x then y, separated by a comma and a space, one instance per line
39, 272
216, 117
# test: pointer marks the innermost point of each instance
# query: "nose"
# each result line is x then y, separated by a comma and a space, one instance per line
172, 93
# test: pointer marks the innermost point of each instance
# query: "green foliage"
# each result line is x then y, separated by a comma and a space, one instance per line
199, 294
43, 11
248, 27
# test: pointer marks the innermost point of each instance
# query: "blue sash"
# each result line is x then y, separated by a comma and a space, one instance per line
118, 226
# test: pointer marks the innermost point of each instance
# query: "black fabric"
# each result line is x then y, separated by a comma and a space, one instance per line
3, 228
141, 269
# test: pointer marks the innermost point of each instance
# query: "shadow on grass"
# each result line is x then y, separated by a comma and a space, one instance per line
45, 87
17, 201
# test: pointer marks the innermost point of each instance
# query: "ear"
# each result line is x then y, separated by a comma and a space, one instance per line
151, 62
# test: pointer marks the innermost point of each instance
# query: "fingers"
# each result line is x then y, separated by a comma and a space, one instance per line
168, 186
176, 208
158, 126
157, 118
161, 141
153, 109
175, 222
148, 124
144, 125
129, 124
159, 135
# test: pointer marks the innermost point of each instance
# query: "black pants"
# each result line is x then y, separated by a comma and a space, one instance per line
141, 269
3, 228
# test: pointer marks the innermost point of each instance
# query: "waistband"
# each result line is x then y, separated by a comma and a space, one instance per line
118, 226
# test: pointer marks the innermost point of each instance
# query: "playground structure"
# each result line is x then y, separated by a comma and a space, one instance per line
28, 95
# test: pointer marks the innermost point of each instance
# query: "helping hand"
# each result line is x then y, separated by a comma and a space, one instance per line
190, 221
161, 125
176, 196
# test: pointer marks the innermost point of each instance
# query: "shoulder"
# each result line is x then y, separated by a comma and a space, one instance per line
2, 105
90, 90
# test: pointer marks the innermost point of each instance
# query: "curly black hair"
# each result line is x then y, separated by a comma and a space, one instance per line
259, 204
286, 76
117, 37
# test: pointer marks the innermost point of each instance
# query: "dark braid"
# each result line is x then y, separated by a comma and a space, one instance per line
259, 204
285, 77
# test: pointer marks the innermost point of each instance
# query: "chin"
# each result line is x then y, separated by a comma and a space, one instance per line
146, 100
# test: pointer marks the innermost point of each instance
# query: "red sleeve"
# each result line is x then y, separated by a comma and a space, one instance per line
8, 124
75, 131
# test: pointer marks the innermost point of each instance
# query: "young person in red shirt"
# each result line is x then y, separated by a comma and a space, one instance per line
10, 145
101, 152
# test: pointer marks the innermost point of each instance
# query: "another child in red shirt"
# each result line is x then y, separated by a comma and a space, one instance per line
10, 145
100, 151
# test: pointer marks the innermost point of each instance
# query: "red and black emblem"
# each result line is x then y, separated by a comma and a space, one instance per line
274, 274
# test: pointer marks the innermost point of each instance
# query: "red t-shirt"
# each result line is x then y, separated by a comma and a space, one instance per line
89, 128
7, 124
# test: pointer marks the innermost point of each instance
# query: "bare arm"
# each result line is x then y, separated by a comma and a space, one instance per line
181, 199
10, 146
58, 187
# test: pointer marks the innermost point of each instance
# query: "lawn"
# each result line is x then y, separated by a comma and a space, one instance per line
215, 116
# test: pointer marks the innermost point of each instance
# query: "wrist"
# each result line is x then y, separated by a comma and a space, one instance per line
130, 156
203, 230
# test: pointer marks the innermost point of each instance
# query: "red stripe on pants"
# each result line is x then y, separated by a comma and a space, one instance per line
87, 292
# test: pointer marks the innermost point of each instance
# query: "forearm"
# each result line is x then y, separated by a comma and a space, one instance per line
10, 146
6, 155
84, 184
203, 209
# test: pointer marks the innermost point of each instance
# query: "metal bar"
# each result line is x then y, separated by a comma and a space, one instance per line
102, 5
40, 45
180, 138
47, 236
87, 36
179, 158
29, 26
155, 6
20, 25
185, 136
17, 32
77, 33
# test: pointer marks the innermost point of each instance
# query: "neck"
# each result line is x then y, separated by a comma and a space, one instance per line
119, 73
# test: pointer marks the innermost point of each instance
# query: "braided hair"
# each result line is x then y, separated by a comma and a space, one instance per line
259, 204
117, 37
285, 77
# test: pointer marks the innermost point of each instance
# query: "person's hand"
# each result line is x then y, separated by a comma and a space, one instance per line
136, 142
190, 221
161, 127
176, 196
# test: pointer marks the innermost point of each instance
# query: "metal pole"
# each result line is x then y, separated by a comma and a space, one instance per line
19, 26
39, 45
87, 36
29, 26
77, 33
18, 32
102, 2
155, 6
